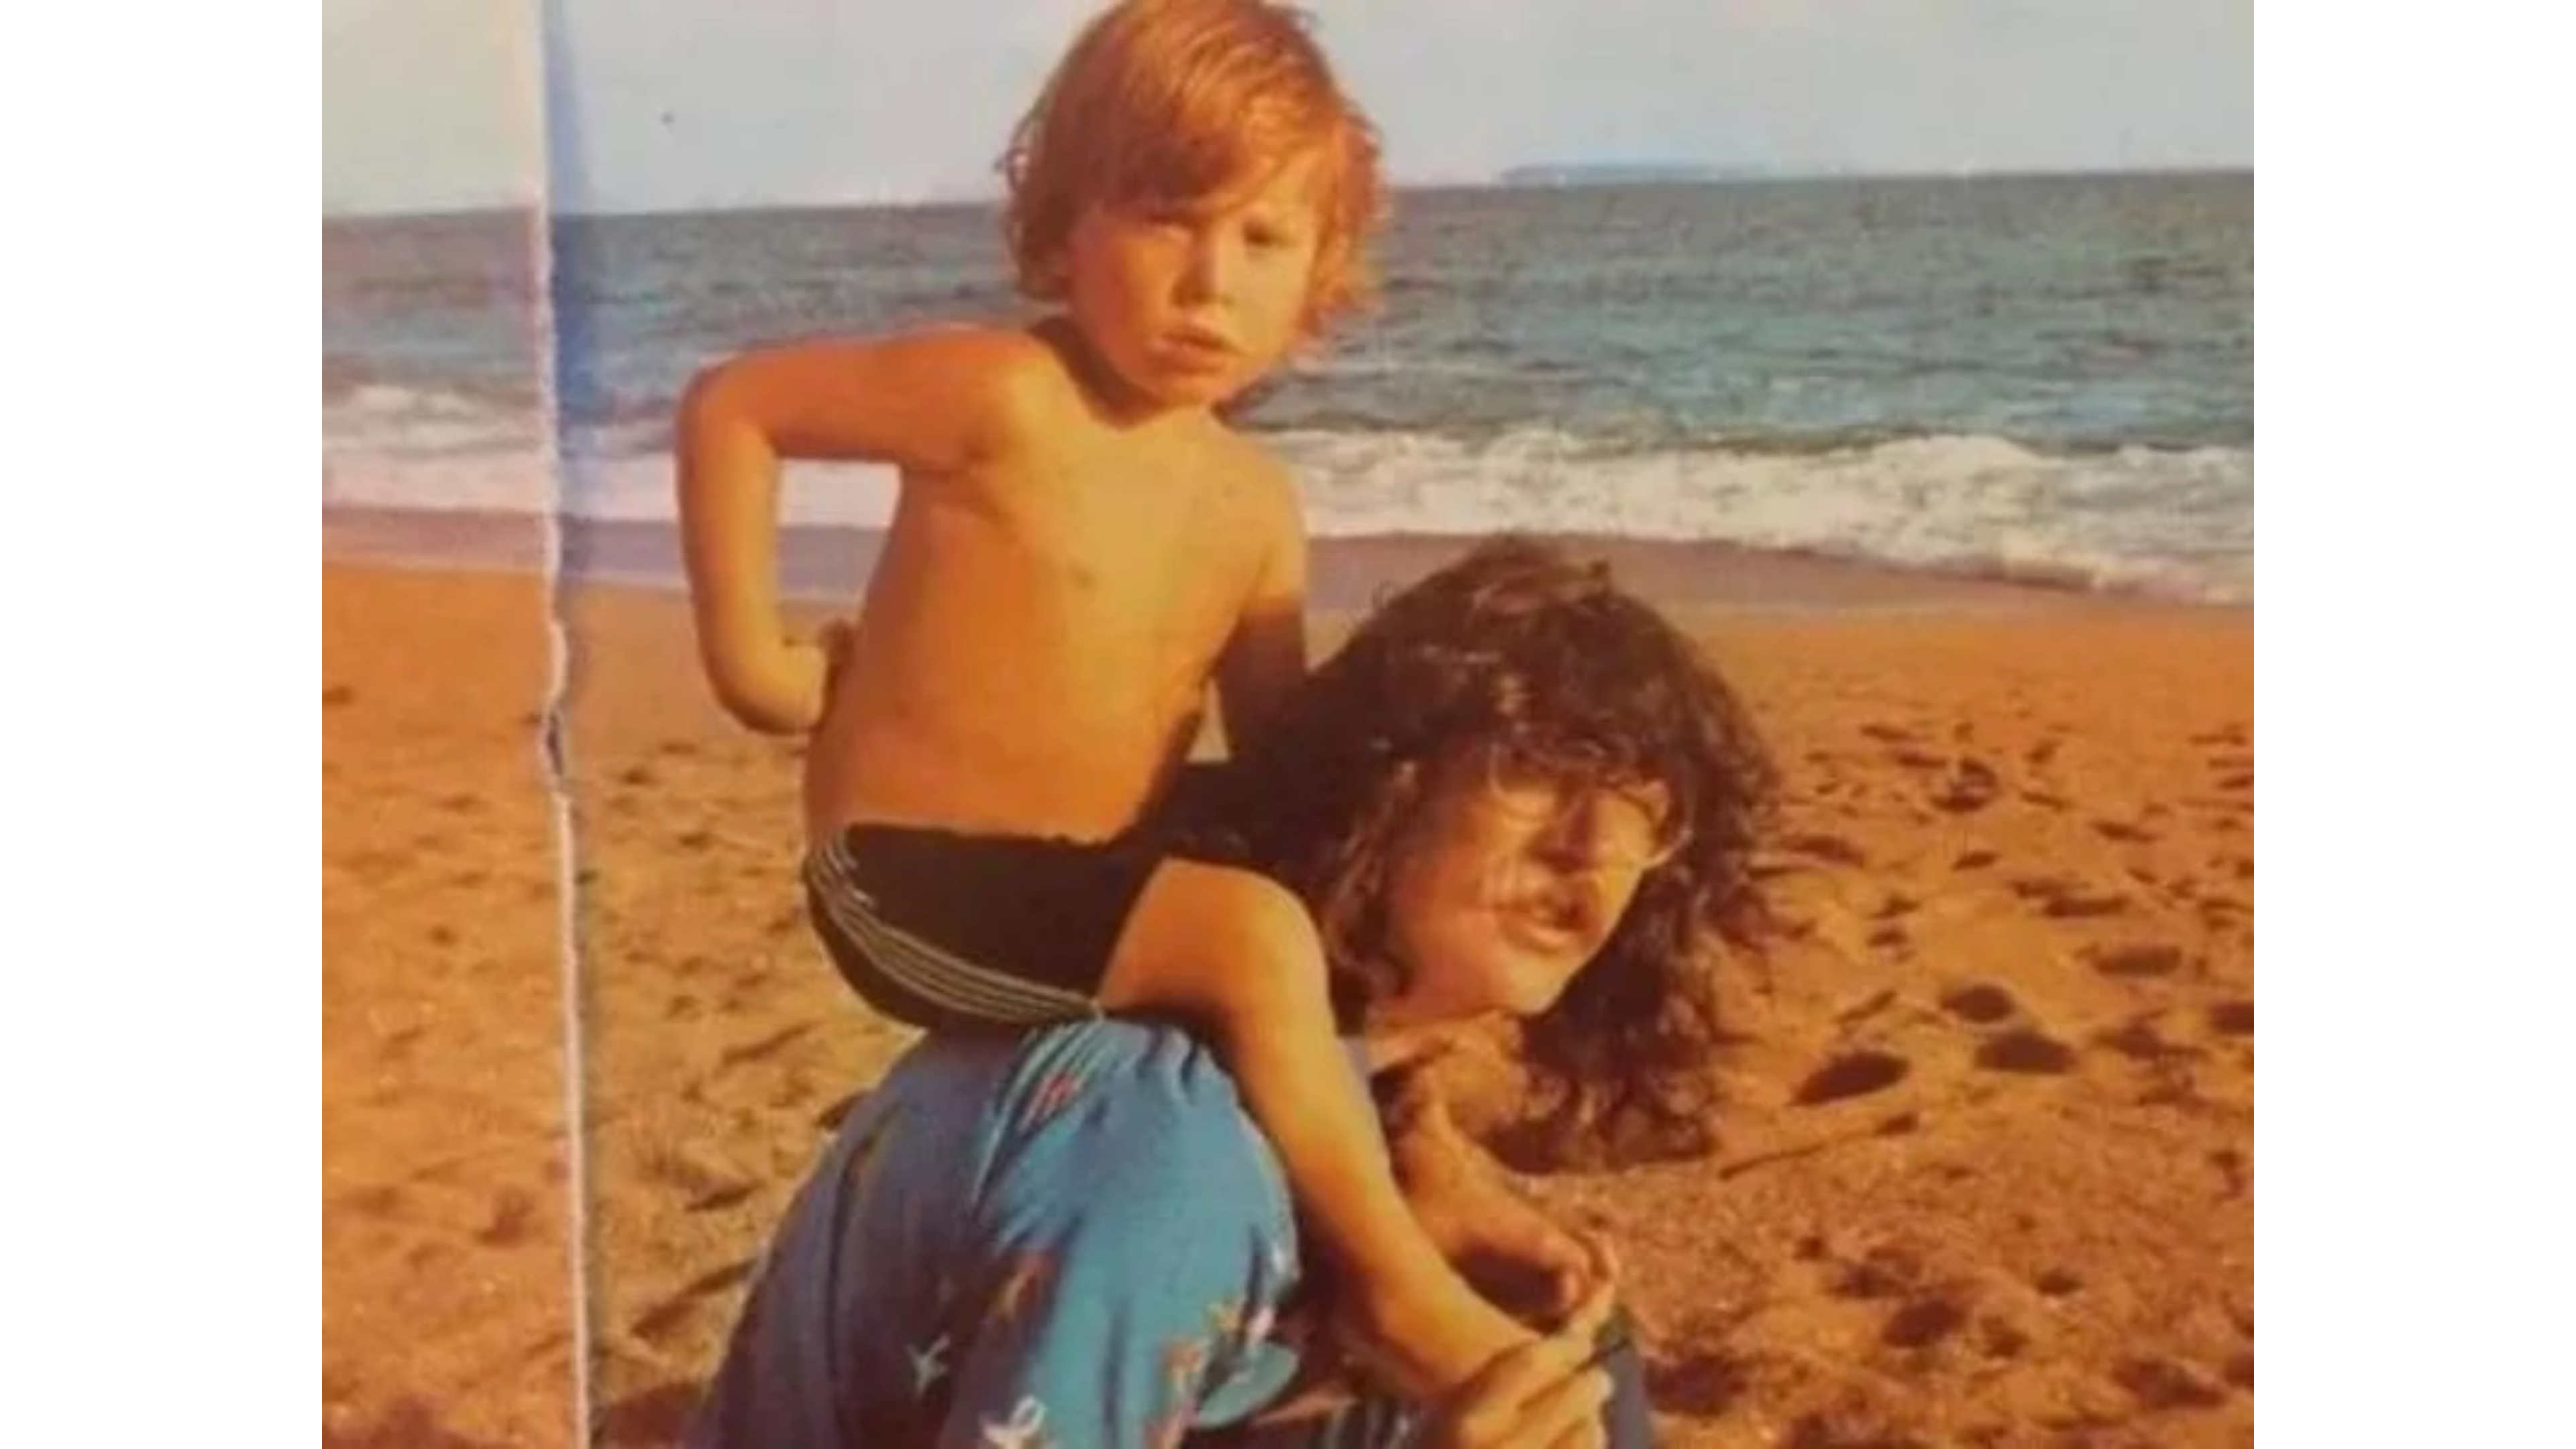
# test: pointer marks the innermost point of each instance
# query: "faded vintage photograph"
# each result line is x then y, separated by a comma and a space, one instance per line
1194, 721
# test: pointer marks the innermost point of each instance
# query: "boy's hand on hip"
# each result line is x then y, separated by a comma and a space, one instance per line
781, 690
833, 639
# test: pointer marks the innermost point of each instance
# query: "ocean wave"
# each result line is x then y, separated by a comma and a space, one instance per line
2169, 521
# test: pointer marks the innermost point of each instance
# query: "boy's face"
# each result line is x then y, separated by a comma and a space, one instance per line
1191, 303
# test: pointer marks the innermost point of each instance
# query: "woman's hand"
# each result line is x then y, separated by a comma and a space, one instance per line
1546, 1394
1477, 1221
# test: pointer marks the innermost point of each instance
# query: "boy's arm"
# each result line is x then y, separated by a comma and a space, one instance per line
931, 404
1265, 660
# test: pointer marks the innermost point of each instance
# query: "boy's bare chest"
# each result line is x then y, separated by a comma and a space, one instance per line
1114, 507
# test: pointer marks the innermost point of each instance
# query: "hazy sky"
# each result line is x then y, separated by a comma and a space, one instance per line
660, 104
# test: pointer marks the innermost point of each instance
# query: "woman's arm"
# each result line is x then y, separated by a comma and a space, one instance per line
1503, 1242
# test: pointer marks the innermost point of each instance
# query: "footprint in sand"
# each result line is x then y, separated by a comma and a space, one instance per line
743, 993
1699, 1383
1881, 1272
1832, 849
339, 695
2085, 905
2044, 800
2136, 961
768, 1046
677, 749
2026, 1051
2140, 1041
1888, 734
2058, 1283
638, 775
1923, 1323
2169, 1383
2066, 898
2001, 1338
408, 1422
722, 1198
2123, 832
658, 1415
1854, 1074
375, 866
2232, 1018
1980, 1003
2231, 1165
1975, 859
655, 1324
690, 1172
1972, 785
514, 1218
1877, 1003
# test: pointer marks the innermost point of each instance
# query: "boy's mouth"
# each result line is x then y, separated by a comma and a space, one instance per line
1199, 340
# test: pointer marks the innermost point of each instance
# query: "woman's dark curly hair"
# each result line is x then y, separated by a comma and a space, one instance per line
1542, 664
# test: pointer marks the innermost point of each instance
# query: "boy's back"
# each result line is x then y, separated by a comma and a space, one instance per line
1043, 622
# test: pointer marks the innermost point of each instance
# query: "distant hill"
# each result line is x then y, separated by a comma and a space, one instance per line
1629, 173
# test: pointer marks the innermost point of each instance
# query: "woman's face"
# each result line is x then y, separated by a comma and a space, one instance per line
1503, 889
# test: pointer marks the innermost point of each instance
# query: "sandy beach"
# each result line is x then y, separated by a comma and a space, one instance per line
447, 1304
1985, 1164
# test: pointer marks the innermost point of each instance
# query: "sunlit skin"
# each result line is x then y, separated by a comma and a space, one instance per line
1080, 549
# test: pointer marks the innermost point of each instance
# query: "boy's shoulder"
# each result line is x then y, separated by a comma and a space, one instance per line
1012, 384
1014, 362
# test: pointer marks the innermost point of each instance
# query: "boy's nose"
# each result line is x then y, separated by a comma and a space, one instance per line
1209, 274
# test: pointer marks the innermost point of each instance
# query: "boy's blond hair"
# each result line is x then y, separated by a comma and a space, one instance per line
1176, 101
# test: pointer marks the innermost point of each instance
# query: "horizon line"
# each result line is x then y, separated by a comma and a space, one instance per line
1719, 175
